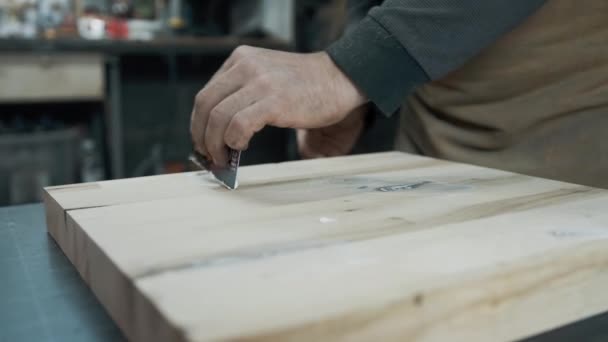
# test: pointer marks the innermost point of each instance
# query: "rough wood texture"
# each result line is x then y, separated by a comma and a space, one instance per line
376, 247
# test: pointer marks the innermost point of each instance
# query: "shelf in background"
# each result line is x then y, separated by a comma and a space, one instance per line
72, 77
199, 45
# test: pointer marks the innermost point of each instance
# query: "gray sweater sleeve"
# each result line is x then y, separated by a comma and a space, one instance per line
401, 44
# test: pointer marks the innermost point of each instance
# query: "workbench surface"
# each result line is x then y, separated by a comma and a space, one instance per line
42, 298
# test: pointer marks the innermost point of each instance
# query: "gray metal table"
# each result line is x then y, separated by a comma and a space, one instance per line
42, 297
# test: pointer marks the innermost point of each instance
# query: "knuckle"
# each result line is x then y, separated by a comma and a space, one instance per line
199, 98
240, 125
264, 82
273, 112
241, 51
250, 67
233, 142
241, 144
238, 133
216, 114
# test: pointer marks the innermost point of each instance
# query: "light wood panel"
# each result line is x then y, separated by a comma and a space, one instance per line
385, 246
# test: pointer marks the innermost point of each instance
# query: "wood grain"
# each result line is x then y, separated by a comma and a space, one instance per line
385, 246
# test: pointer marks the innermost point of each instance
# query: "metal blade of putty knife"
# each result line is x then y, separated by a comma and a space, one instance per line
225, 175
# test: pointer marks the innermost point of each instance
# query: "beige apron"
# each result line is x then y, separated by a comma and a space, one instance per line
535, 102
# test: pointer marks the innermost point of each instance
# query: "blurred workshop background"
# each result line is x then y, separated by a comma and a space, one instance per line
103, 89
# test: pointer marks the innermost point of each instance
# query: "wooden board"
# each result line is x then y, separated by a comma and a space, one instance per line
375, 247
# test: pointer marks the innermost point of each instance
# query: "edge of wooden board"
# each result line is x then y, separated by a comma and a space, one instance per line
56, 217
118, 304
136, 316
55, 220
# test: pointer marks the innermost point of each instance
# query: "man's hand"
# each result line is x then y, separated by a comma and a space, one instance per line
335, 140
257, 87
